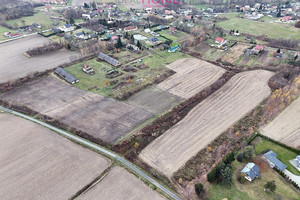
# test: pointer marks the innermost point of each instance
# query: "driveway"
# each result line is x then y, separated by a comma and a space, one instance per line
293, 177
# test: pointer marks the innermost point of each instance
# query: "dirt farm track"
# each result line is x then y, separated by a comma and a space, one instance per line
207, 120
14, 64
286, 126
37, 163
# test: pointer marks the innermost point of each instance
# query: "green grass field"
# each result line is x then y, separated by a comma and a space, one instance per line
283, 154
253, 190
3, 30
272, 30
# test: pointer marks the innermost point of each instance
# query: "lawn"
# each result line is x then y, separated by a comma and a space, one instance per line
39, 18
97, 83
272, 30
3, 30
283, 154
255, 189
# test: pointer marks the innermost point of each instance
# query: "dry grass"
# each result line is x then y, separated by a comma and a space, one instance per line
192, 76
207, 121
120, 184
37, 163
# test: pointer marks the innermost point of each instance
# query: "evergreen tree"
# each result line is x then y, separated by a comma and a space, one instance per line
119, 43
270, 186
72, 21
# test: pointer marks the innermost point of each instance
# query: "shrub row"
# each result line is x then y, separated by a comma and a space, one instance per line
288, 179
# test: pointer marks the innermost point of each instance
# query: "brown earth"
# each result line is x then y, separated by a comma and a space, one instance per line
235, 53
37, 163
207, 121
120, 184
16, 65
192, 76
286, 126
94, 114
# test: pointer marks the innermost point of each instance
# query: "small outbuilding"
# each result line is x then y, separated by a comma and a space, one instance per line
66, 75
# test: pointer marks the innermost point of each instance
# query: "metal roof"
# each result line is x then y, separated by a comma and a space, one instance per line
108, 59
251, 170
66, 75
271, 156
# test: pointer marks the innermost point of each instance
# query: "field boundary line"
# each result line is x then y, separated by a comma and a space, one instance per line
92, 145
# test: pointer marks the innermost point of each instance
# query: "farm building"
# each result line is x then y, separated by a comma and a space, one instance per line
66, 75
251, 171
67, 28
14, 35
109, 59
173, 49
257, 49
273, 161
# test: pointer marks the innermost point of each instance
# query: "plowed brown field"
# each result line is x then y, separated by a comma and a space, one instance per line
207, 121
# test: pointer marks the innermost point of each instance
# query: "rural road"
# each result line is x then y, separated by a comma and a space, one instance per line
95, 147
23, 36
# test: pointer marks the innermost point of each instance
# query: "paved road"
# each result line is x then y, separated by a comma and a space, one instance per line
292, 176
96, 147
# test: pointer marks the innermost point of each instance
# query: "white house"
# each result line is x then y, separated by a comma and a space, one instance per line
251, 171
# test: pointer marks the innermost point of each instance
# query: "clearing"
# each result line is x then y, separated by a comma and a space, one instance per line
37, 163
286, 126
16, 64
207, 121
94, 114
120, 184
192, 76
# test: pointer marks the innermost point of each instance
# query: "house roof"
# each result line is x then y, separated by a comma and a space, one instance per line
251, 170
172, 29
79, 34
271, 156
174, 48
286, 18
153, 39
259, 47
67, 25
298, 157
218, 39
108, 59
66, 75
129, 28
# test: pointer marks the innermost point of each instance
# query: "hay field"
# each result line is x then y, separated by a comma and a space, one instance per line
16, 65
154, 100
286, 126
192, 76
37, 163
207, 121
120, 184
94, 114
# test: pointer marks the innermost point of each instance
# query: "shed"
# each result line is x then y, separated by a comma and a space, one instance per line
109, 59
66, 75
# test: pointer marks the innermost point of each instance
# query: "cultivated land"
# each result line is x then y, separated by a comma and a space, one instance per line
192, 76
120, 184
207, 121
154, 100
94, 114
16, 65
37, 163
272, 30
286, 126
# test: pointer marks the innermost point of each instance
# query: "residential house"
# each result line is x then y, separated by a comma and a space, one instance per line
130, 28
251, 171
257, 49
153, 40
67, 28
172, 29
173, 49
273, 161
220, 40
285, 18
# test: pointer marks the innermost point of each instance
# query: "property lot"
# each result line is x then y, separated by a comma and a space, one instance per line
154, 100
99, 116
120, 184
286, 126
16, 65
234, 53
37, 163
192, 76
207, 121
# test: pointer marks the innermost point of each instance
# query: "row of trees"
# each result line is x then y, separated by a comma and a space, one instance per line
45, 49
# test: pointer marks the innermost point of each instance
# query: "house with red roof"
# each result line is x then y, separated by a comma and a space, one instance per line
172, 29
220, 40
14, 35
286, 18
257, 49
130, 28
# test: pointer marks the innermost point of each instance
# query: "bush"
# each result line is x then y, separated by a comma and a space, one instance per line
229, 158
297, 24
199, 188
241, 178
248, 152
240, 157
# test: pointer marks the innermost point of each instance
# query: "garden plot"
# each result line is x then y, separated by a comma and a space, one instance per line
16, 65
120, 184
286, 126
234, 53
154, 100
207, 121
37, 163
94, 114
192, 76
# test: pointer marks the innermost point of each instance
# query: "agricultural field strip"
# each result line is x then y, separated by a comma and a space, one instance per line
207, 121
99, 116
95, 147
13, 58
39, 164
128, 187
192, 75
286, 125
